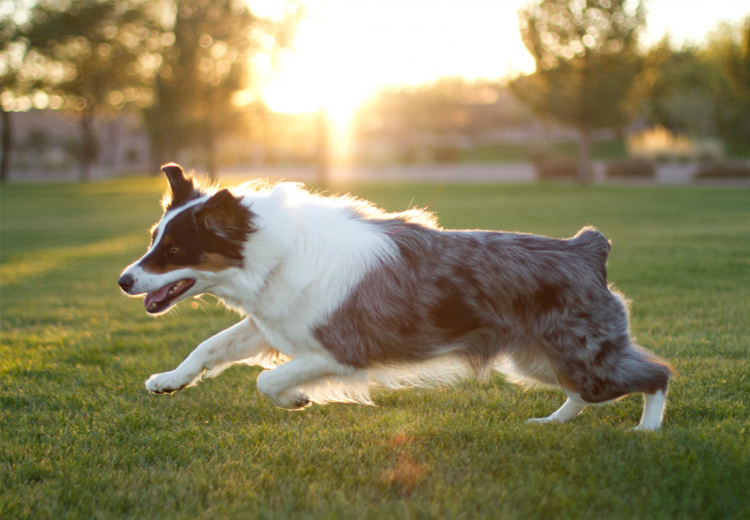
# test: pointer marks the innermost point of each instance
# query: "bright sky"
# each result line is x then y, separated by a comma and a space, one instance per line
346, 49
690, 20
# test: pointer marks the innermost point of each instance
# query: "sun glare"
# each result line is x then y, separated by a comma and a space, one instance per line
344, 51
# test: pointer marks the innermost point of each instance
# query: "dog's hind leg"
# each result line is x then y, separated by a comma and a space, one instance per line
617, 369
570, 408
240, 342
653, 410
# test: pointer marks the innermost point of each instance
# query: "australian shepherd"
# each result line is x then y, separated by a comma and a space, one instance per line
338, 296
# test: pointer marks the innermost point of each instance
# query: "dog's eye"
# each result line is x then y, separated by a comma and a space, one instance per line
174, 250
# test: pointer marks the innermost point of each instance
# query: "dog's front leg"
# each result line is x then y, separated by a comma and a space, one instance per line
239, 342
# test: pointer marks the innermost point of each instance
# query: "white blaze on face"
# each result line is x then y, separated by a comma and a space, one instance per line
161, 289
166, 219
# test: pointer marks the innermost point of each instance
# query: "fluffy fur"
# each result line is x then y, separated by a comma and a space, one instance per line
339, 296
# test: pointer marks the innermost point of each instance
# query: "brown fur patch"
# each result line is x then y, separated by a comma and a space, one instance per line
215, 262
152, 268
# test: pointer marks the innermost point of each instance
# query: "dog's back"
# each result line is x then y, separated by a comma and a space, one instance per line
539, 304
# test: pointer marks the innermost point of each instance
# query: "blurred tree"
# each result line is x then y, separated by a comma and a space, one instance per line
97, 55
6, 141
586, 54
728, 52
676, 88
100, 55
448, 105
206, 62
12, 14
434, 119
737, 59
7, 84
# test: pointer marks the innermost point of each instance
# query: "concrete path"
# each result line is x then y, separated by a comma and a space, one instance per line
522, 172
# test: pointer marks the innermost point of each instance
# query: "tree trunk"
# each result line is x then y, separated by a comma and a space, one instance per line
155, 159
161, 151
88, 145
7, 142
584, 156
159, 155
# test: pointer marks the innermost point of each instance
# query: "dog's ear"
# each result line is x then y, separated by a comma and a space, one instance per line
181, 188
175, 174
225, 216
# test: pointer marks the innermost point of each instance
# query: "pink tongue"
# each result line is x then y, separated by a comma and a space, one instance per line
156, 296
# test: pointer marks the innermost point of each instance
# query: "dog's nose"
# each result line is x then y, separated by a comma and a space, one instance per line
126, 282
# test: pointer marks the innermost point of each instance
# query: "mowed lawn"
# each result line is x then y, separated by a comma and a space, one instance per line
81, 438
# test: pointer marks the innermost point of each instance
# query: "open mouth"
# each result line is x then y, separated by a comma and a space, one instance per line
160, 299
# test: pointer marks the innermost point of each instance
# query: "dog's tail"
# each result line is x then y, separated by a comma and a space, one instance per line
594, 247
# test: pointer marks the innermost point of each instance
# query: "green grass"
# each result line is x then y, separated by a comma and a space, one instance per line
511, 152
81, 438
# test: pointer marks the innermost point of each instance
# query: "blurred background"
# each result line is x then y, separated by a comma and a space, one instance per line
333, 91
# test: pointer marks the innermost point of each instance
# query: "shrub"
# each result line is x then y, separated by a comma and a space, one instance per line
725, 169
551, 168
539, 151
630, 168
660, 144
447, 153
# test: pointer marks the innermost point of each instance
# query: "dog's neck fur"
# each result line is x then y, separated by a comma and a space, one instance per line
273, 284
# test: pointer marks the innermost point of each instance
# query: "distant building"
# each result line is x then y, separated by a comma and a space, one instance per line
47, 144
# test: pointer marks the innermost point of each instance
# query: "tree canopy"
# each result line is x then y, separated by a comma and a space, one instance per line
729, 49
205, 64
180, 61
94, 55
586, 55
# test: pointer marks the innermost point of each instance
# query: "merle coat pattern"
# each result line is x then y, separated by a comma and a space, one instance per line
342, 296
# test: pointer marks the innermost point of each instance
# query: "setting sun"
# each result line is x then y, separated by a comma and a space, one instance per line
344, 51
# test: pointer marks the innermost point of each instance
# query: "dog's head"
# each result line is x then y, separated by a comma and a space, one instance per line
201, 235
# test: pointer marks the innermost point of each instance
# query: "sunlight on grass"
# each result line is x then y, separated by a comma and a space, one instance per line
43, 261
81, 437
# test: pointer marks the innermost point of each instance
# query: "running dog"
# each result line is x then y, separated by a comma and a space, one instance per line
339, 296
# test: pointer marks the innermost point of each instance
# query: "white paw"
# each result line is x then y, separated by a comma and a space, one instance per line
292, 401
540, 420
168, 382
647, 427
